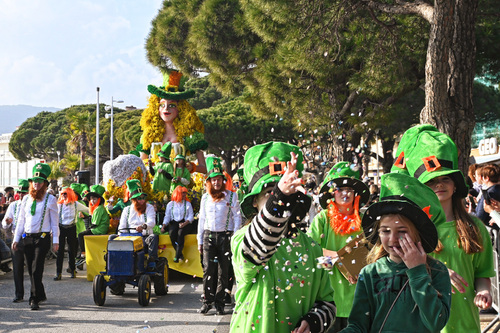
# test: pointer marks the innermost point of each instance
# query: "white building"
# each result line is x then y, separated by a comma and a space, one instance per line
11, 170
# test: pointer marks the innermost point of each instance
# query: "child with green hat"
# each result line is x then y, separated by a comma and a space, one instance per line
279, 288
99, 223
163, 170
402, 288
465, 246
342, 194
37, 222
181, 174
9, 224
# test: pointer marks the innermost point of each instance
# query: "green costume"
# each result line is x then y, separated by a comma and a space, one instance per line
100, 221
162, 179
274, 262
416, 310
119, 206
322, 233
464, 316
185, 178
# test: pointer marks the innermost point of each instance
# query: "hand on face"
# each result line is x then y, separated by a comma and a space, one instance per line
412, 254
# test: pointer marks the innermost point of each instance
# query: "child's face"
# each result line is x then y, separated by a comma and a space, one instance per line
392, 228
344, 196
443, 186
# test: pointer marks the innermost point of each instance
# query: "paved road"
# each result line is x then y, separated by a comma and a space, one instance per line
70, 308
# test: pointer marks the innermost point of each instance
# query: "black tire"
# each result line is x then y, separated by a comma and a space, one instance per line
144, 289
99, 290
161, 280
117, 288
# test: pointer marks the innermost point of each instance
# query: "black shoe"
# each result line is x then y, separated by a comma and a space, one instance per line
220, 310
205, 308
57, 277
17, 300
5, 268
68, 270
34, 306
73, 274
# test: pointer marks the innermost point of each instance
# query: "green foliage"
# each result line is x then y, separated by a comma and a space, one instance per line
230, 127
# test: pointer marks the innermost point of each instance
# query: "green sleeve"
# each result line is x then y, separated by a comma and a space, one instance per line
483, 261
118, 207
100, 221
244, 270
432, 296
361, 316
316, 229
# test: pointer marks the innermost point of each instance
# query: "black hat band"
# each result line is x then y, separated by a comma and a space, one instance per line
40, 174
139, 190
432, 163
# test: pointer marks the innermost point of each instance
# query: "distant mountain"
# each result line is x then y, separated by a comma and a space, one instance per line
13, 116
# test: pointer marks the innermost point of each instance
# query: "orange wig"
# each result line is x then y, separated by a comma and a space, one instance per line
70, 196
177, 193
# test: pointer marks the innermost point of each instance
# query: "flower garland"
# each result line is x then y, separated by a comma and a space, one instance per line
344, 224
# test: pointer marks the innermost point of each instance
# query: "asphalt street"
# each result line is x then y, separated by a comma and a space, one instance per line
70, 308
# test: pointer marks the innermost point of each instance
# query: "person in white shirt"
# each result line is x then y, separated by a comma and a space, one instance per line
140, 217
219, 218
37, 222
178, 216
9, 223
68, 209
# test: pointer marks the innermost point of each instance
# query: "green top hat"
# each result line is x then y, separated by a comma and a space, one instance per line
135, 189
343, 174
432, 154
180, 157
173, 87
41, 171
214, 167
265, 164
404, 148
96, 191
405, 195
24, 186
165, 150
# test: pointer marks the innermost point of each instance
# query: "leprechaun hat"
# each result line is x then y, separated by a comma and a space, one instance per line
172, 88
265, 164
214, 167
135, 188
407, 142
343, 174
165, 150
432, 154
23, 186
41, 171
405, 195
96, 191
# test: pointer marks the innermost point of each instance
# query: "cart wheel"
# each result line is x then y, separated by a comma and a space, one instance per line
144, 289
99, 290
117, 288
161, 280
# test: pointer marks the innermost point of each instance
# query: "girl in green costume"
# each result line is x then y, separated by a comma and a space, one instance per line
279, 288
402, 289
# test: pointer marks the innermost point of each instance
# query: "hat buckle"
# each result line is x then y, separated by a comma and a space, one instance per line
431, 160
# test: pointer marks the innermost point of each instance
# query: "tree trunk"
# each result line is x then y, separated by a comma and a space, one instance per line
449, 71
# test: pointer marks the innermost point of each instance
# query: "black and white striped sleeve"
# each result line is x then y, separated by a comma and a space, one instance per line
267, 228
321, 316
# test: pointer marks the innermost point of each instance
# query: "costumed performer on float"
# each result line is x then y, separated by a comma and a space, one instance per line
169, 117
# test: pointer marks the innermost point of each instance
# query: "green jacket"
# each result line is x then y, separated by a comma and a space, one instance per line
423, 306
100, 221
162, 180
324, 235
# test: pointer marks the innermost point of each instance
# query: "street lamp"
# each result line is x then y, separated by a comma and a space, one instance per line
107, 108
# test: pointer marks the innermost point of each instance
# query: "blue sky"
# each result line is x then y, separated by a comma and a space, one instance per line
55, 53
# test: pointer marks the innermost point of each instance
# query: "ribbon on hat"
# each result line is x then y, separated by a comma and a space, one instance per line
431, 163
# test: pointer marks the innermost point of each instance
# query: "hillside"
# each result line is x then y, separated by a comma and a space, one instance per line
14, 115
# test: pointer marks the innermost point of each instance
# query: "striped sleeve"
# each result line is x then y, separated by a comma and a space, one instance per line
321, 316
267, 228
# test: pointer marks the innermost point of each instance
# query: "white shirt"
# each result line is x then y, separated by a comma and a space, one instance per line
13, 213
131, 219
214, 215
67, 212
178, 211
27, 223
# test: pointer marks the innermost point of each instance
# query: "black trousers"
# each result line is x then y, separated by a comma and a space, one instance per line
177, 235
35, 251
69, 235
216, 263
81, 240
18, 269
